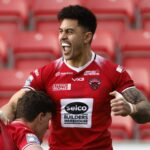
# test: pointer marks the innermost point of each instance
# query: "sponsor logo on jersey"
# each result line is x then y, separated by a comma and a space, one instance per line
76, 108
61, 87
63, 73
31, 138
94, 83
91, 73
78, 79
76, 112
29, 80
119, 69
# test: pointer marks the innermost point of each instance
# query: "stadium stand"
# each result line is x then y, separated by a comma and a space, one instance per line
3, 53
29, 27
43, 14
144, 12
144, 132
34, 49
122, 128
104, 44
13, 17
11, 81
135, 49
29, 3
113, 15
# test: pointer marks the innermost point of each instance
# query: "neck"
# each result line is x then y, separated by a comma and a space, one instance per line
80, 61
31, 125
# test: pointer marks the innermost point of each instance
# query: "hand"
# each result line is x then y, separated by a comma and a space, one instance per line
4, 118
119, 106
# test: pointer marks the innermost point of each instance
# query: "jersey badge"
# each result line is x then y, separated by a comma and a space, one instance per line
31, 138
94, 83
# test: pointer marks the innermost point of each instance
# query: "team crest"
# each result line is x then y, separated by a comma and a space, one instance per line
94, 83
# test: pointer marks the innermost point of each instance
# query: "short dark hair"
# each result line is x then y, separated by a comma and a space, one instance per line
84, 16
32, 103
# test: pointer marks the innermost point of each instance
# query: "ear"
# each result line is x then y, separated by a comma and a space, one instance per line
88, 37
41, 117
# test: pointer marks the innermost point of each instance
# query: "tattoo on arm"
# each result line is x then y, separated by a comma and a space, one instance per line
133, 95
142, 104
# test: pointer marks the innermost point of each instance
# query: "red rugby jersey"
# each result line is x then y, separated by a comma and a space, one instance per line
21, 135
82, 100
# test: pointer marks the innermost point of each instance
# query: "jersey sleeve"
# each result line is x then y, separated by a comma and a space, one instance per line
26, 140
118, 76
34, 80
38, 78
124, 80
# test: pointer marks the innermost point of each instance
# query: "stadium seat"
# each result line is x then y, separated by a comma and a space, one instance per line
141, 79
10, 82
50, 26
104, 44
34, 49
13, 17
144, 9
113, 15
122, 128
135, 49
144, 132
47, 11
29, 3
3, 53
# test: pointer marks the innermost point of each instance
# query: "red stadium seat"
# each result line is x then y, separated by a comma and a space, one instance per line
141, 79
13, 17
135, 48
47, 11
144, 9
104, 44
144, 132
3, 52
113, 15
50, 26
34, 49
29, 3
122, 128
10, 82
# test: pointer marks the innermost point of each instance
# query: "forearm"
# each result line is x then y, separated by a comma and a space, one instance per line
10, 108
142, 105
9, 111
143, 112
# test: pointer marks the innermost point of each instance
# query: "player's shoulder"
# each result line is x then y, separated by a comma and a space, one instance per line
54, 64
50, 67
106, 64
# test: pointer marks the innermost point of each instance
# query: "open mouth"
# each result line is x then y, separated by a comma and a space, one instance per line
66, 47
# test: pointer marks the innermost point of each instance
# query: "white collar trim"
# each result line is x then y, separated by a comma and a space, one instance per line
78, 69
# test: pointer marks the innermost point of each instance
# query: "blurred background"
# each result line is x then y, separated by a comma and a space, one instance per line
28, 40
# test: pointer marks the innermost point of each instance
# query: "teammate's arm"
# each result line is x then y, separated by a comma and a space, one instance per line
8, 110
132, 102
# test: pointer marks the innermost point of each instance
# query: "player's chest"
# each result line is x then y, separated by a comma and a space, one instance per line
88, 83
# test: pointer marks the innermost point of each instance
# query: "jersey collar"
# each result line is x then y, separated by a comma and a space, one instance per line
78, 69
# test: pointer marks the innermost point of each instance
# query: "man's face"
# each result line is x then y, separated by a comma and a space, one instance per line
71, 38
43, 124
